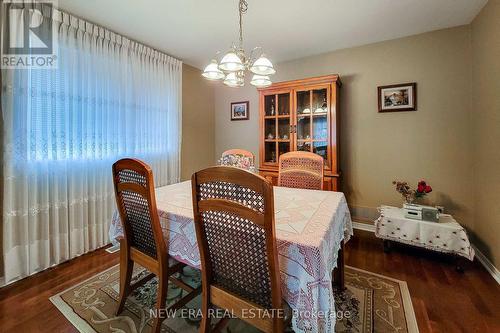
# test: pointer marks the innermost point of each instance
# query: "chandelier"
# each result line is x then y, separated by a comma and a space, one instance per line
233, 65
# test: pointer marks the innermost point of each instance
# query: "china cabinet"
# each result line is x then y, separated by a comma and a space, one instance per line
301, 115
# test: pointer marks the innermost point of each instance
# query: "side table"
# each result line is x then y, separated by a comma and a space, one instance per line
446, 236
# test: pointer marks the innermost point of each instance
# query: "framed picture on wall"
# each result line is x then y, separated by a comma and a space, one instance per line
397, 97
240, 110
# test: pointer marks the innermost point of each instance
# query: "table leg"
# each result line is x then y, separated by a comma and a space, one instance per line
387, 246
338, 273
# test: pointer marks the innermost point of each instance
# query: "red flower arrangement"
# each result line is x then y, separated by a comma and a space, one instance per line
422, 189
408, 193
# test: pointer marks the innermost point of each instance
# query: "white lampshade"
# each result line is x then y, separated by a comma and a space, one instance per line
260, 81
231, 63
262, 66
212, 71
232, 80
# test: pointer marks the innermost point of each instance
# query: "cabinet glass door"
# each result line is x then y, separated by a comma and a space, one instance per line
276, 126
320, 123
303, 120
312, 121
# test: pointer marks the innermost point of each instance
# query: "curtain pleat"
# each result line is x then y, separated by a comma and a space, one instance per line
109, 98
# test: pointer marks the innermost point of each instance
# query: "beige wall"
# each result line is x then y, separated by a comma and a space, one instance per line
197, 122
432, 143
236, 134
485, 115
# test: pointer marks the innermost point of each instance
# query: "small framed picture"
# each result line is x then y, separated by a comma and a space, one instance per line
239, 110
397, 97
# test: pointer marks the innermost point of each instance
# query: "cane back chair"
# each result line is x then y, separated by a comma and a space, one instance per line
234, 222
240, 158
241, 152
143, 241
301, 169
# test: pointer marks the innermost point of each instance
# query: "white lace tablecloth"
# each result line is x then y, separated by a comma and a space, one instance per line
310, 226
444, 236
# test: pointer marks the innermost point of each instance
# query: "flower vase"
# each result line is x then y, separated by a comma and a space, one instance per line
410, 198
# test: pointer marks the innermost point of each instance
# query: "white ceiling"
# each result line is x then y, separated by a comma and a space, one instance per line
193, 30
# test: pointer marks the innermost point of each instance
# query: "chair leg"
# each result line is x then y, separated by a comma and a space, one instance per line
278, 325
205, 321
160, 302
126, 269
220, 325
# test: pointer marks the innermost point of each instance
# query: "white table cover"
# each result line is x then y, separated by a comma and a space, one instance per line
444, 236
310, 226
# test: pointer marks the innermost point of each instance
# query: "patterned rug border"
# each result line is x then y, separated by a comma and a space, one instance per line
411, 320
82, 326
77, 321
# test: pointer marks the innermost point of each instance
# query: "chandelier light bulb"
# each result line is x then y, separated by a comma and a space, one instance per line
260, 81
233, 80
212, 71
262, 66
231, 63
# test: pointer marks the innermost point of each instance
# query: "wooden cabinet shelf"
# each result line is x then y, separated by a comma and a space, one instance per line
281, 109
308, 115
278, 116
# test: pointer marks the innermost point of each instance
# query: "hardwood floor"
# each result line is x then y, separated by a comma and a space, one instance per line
25, 305
444, 300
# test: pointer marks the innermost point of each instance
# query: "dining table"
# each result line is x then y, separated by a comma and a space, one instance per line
311, 228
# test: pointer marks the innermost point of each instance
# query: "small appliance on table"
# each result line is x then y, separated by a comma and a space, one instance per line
406, 225
419, 212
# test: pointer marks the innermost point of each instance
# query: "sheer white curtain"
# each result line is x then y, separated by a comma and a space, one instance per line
109, 98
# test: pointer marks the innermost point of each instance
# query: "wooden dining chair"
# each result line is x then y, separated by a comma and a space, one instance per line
301, 169
241, 152
143, 241
239, 158
234, 222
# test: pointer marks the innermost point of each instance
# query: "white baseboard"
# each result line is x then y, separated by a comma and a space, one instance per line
113, 249
488, 265
363, 226
364, 213
495, 273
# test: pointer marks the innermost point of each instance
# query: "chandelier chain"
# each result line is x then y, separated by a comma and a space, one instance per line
243, 7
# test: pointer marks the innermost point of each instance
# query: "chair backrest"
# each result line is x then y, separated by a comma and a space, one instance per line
301, 169
242, 152
234, 221
135, 198
239, 158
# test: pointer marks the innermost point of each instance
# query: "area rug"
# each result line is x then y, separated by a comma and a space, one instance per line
371, 303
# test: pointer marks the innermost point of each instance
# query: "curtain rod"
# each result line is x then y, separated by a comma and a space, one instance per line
116, 33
